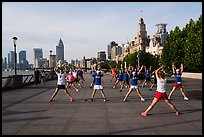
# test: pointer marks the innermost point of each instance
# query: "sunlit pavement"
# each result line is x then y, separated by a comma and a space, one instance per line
27, 111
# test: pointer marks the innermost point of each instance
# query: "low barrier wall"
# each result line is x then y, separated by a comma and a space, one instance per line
192, 75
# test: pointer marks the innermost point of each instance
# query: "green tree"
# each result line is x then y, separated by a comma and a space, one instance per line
173, 49
131, 59
193, 46
184, 46
146, 59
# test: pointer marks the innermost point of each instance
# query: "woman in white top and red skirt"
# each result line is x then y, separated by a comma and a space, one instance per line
160, 94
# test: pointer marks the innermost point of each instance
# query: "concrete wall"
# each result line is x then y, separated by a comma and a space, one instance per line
192, 75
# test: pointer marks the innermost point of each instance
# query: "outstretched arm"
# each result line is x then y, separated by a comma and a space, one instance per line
110, 66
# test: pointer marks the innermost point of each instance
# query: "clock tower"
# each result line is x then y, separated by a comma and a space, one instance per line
141, 40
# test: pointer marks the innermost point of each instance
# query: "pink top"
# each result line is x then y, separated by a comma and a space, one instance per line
70, 78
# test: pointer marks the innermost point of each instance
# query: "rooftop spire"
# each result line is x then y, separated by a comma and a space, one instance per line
61, 43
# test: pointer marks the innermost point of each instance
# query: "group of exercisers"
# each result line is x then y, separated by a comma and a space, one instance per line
128, 77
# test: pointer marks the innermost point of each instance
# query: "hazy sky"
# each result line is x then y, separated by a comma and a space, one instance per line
86, 27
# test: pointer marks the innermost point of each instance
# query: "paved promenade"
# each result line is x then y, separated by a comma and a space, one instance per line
26, 111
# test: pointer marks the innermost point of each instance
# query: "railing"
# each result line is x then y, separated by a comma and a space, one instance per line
26, 80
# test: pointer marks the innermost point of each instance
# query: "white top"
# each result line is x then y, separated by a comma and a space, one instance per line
43, 74
61, 78
161, 84
74, 74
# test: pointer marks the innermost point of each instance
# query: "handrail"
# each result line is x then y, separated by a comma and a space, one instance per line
26, 80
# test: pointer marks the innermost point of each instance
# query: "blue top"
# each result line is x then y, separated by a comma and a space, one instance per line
97, 79
177, 77
134, 80
120, 76
148, 75
79, 73
125, 76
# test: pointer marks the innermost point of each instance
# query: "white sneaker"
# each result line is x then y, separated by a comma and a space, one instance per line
142, 99
185, 98
77, 90
113, 86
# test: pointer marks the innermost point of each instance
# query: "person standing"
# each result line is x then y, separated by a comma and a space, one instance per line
93, 74
75, 74
61, 84
178, 81
147, 76
160, 94
80, 75
134, 85
119, 79
43, 76
126, 77
113, 74
37, 76
98, 85
70, 81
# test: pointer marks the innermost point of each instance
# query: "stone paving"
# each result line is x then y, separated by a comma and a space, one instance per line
27, 111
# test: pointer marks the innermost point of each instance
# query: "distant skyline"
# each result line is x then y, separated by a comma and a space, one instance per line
86, 27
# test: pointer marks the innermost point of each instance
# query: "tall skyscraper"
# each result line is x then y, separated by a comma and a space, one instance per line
11, 55
4, 63
37, 54
60, 51
23, 63
22, 55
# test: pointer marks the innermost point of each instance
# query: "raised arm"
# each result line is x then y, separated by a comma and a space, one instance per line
65, 68
145, 68
140, 69
150, 68
181, 67
173, 68
56, 69
156, 71
128, 74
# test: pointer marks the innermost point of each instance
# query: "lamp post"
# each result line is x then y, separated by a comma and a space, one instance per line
138, 58
50, 52
15, 58
51, 60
